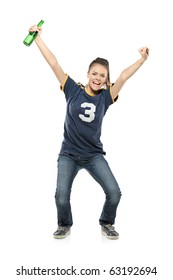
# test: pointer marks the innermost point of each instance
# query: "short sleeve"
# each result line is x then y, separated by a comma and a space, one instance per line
69, 87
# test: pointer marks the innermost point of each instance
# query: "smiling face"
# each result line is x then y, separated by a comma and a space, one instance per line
97, 78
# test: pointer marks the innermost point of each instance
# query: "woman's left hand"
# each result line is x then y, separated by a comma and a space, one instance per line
144, 52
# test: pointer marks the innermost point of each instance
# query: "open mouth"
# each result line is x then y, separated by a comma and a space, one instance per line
96, 83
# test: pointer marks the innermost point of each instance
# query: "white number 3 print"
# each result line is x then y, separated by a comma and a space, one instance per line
89, 112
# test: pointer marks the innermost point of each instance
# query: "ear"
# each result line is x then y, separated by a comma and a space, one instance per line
106, 82
105, 86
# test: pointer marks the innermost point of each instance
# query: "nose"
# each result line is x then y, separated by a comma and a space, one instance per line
97, 77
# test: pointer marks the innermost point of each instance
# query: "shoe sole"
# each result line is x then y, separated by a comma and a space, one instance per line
110, 237
61, 236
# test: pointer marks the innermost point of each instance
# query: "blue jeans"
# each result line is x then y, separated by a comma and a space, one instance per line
97, 166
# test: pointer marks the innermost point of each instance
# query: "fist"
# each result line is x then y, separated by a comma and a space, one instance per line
144, 52
35, 28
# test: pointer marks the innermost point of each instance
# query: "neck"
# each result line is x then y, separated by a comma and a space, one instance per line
91, 91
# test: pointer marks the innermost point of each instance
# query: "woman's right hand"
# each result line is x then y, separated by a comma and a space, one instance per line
35, 28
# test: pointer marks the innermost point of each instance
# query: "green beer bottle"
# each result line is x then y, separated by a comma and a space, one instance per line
32, 35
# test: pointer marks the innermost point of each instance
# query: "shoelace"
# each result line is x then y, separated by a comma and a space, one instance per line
63, 228
110, 227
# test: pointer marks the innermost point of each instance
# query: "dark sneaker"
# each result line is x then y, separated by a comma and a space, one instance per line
61, 232
109, 232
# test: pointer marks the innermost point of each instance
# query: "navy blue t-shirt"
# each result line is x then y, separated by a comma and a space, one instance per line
83, 122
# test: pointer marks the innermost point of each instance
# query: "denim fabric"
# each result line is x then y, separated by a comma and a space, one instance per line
97, 166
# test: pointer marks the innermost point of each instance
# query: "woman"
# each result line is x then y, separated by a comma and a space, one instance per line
81, 147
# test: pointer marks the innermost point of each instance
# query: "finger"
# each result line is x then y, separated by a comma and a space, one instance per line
33, 28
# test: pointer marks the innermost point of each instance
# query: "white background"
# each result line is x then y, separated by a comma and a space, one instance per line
137, 136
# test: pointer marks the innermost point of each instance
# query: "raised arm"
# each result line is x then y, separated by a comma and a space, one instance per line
48, 55
128, 72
